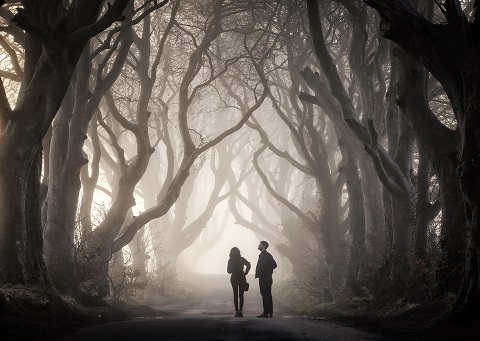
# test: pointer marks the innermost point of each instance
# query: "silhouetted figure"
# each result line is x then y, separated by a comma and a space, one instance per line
235, 267
263, 272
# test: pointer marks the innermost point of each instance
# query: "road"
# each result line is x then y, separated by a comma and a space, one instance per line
209, 316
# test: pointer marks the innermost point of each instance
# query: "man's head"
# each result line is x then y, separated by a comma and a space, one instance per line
263, 245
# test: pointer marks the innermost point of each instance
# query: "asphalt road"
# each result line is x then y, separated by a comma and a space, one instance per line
209, 316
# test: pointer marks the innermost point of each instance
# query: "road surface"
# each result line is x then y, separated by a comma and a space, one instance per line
209, 316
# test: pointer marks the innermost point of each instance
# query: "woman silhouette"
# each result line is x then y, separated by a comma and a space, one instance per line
235, 267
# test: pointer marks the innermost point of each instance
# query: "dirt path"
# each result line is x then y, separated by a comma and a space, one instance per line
222, 328
209, 316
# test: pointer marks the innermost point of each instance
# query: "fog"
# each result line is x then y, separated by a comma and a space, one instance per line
191, 127
214, 260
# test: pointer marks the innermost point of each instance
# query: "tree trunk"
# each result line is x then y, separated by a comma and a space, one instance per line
356, 218
419, 289
96, 251
424, 216
18, 152
89, 183
440, 146
403, 225
139, 258
453, 238
375, 214
333, 240
392, 132
61, 203
49, 64
403, 219
35, 267
450, 54
372, 107
468, 301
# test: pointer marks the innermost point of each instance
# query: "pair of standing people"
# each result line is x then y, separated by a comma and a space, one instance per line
239, 267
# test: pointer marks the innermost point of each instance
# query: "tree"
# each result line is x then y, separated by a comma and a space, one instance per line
311, 136
202, 69
394, 172
52, 50
66, 155
450, 51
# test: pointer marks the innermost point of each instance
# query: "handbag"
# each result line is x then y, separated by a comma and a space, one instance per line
245, 286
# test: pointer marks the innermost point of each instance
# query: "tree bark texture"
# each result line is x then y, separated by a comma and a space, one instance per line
439, 145
450, 52
51, 54
356, 221
394, 174
60, 209
371, 106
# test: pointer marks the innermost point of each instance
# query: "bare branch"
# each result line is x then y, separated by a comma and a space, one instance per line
13, 57
113, 13
277, 196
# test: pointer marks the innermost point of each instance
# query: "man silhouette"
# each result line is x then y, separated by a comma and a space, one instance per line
263, 272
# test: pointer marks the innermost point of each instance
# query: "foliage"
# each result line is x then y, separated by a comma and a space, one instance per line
31, 299
306, 258
295, 299
129, 286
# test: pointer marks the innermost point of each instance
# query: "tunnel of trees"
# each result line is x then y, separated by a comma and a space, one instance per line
344, 132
